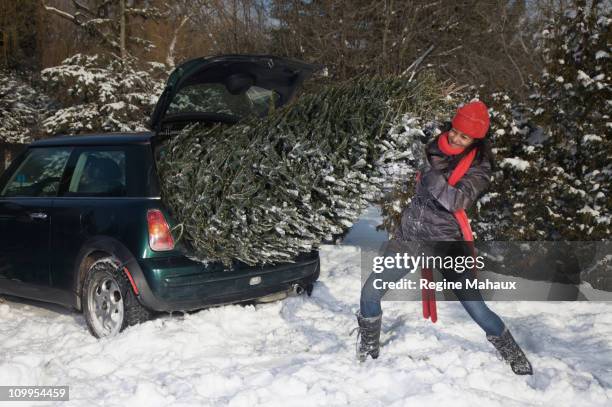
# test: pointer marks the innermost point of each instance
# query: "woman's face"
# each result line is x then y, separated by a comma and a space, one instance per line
459, 139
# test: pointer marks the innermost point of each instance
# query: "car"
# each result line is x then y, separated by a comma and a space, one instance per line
82, 223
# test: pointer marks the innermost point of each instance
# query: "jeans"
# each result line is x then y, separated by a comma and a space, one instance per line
471, 299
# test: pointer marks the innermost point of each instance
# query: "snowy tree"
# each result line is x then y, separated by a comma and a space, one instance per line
573, 100
515, 205
102, 93
22, 108
532, 196
554, 169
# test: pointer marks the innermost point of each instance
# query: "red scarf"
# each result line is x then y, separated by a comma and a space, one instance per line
429, 295
458, 173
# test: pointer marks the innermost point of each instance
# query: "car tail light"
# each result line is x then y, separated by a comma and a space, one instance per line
160, 238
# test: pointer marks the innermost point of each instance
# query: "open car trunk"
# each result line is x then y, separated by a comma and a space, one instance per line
226, 89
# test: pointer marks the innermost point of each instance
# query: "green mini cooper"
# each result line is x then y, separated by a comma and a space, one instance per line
82, 223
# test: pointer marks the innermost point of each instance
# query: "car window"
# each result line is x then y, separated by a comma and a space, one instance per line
99, 173
215, 98
39, 174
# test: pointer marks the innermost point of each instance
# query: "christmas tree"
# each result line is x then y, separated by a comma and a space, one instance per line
266, 189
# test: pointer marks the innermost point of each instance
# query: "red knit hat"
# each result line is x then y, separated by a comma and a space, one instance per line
472, 119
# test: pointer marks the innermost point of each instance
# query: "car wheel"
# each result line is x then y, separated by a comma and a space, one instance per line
109, 304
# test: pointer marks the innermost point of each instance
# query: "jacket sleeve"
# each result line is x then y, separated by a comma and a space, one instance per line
475, 181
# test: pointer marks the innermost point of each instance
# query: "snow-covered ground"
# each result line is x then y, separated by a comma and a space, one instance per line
299, 352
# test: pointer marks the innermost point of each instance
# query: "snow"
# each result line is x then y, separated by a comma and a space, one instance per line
584, 78
590, 137
588, 210
298, 352
516, 163
487, 197
601, 54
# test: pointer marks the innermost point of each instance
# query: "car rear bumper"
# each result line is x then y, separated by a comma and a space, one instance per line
180, 284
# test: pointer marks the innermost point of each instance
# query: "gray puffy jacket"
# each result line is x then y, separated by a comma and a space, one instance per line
429, 216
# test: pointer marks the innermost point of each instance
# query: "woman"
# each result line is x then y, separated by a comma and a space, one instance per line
458, 171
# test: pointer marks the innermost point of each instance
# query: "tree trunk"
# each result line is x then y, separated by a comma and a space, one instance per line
384, 62
172, 47
235, 25
122, 30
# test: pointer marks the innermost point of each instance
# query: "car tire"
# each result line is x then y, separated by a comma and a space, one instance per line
109, 304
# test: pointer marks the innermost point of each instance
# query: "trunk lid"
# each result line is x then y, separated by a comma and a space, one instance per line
225, 89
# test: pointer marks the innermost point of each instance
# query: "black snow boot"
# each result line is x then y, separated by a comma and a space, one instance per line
368, 337
511, 352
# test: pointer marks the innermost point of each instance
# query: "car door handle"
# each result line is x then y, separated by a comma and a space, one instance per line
38, 215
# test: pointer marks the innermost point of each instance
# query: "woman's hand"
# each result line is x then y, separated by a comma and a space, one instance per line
461, 196
438, 163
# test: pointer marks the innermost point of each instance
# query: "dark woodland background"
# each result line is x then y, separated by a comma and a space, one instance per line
491, 42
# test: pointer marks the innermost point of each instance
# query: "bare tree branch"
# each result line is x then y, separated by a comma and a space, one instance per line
90, 28
413, 67
80, 6
59, 12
